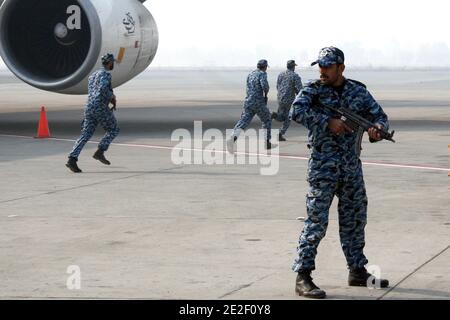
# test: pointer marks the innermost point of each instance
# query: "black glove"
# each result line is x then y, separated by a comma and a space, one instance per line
266, 100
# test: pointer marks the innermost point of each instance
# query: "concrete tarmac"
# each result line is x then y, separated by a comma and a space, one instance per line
148, 228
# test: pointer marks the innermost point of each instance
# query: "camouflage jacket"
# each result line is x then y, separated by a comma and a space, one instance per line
257, 86
289, 85
322, 142
100, 90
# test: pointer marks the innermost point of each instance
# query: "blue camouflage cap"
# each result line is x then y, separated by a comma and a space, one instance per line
262, 63
107, 58
329, 56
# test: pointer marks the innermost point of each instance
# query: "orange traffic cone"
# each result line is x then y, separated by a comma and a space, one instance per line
43, 130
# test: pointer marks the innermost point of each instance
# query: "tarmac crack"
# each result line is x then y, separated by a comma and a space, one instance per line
86, 185
413, 272
244, 286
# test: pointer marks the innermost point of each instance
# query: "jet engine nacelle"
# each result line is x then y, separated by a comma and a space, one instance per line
55, 45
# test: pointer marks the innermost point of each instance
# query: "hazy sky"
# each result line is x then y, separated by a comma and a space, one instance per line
238, 32
383, 33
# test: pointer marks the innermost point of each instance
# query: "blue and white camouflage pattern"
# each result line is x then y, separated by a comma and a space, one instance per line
97, 112
257, 86
334, 170
100, 91
329, 56
289, 85
255, 104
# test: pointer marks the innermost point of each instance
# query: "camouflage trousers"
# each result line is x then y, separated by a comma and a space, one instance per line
263, 114
283, 116
352, 211
107, 120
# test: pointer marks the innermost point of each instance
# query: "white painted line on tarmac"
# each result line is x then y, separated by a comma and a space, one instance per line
281, 155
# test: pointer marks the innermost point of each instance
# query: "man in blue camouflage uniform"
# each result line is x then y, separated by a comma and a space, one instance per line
334, 169
255, 104
97, 112
289, 85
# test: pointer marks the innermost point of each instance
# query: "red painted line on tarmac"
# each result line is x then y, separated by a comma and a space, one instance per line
281, 155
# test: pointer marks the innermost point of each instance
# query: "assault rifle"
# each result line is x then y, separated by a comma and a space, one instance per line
354, 120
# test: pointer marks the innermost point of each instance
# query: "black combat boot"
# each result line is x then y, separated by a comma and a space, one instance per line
72, 165
304, 286
281, 137
268, 145
100, 156
358, 277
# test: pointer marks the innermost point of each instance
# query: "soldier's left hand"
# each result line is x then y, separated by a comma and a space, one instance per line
374, 134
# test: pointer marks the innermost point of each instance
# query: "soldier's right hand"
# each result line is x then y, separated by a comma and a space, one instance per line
338, 127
